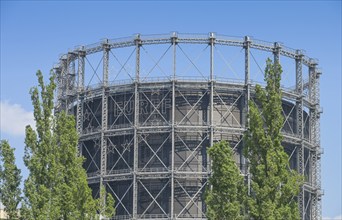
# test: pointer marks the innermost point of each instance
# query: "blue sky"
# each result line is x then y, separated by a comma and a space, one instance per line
34, 34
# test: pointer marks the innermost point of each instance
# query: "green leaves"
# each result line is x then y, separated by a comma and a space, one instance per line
226, 192
9, 180
105, 209
273, 185
41, 156
57, 186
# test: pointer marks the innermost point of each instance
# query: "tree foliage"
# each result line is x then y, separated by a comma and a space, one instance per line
10, 193
226, 193
274, 186
56, 187
106, 204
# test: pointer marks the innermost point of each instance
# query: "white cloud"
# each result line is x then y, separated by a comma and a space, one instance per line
14, 118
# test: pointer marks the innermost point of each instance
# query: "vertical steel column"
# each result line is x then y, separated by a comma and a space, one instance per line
300, 127
312, 97
80, 96
70, 81
246, 46
211, 80
314, 139
64, 83
136, 127
174, 43
104, 123
318, 150
67, 82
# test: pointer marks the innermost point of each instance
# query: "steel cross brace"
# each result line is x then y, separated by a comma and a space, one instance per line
154, 198
122, 112
120, 199
186, 160
228, 64
120, 155
155, 108
155, 153
192, 62
193, 151
287, 118
94, 70
156, 62
192, 107
191, 198
92, 113
123, 65
92, 159
229, 110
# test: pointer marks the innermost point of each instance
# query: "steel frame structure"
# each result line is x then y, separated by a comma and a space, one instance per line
145, 140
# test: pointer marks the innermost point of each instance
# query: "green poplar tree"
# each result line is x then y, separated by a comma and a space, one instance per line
225, 196
10, 179
57, 186
274, 186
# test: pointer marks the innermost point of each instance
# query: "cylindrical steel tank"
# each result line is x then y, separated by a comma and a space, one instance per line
149, 107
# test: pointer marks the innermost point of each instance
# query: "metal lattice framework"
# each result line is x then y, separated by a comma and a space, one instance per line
145, 125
